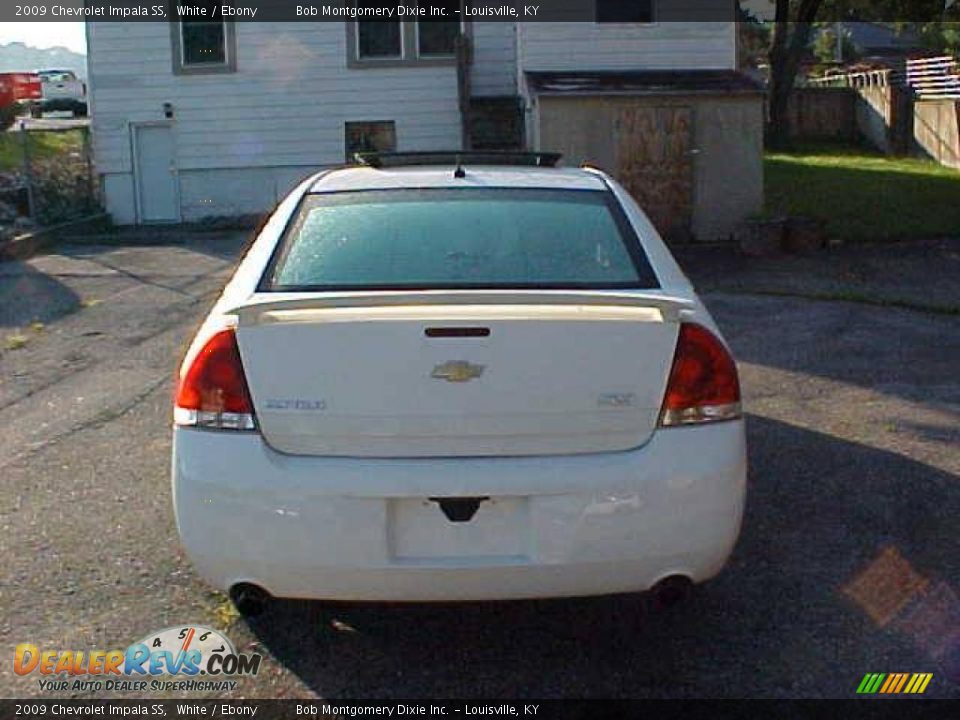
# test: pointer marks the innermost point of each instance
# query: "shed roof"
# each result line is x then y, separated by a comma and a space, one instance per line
643, 82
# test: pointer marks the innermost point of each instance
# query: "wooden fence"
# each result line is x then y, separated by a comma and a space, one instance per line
916, 108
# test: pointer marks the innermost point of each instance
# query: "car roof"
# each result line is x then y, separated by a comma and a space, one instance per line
437, 176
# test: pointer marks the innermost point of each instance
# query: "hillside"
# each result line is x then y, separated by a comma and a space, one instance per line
16, 56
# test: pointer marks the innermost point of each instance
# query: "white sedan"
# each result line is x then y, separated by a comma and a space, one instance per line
450, 381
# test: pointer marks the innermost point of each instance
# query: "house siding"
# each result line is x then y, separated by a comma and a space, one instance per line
243, 139
660, 45
275, 120
494, 59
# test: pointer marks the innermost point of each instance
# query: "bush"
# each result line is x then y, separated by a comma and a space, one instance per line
61, 189
8, 114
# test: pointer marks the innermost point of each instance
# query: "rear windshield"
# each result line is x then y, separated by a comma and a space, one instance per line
459, 238
57, 76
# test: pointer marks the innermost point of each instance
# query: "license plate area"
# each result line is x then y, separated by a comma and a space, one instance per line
418, 529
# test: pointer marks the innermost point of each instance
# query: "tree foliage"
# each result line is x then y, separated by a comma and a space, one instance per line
793, 25
793, 31
8, 115
825, 44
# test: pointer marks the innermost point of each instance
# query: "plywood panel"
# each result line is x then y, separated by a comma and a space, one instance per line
654, 164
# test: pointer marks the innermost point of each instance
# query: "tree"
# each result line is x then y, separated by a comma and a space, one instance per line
825, 44
940, 36
793, 28
791, 36
9, 114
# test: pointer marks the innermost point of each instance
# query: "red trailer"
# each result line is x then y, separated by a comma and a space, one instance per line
18, 87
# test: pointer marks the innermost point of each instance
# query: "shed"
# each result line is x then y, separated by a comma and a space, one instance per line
687, 144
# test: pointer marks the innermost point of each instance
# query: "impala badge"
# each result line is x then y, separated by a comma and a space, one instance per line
617, 400
457, 371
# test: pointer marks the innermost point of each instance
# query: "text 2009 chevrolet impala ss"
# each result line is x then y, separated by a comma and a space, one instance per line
457, 382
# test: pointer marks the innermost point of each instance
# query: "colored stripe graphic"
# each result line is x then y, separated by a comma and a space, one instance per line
903, 680
894, 683
870, 683
918, 683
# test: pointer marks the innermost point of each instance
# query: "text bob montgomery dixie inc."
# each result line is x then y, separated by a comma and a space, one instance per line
405, 709
406, 11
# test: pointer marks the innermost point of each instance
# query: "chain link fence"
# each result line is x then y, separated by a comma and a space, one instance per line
46, 177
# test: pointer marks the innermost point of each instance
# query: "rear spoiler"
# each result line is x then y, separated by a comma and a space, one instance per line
671, 307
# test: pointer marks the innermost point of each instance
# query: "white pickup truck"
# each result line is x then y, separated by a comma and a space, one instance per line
62, 91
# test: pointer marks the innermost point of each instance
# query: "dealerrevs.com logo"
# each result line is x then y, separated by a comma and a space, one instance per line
181, 652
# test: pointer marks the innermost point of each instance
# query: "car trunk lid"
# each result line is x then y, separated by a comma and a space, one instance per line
457, 373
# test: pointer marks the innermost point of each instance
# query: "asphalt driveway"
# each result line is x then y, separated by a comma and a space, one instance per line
849, 561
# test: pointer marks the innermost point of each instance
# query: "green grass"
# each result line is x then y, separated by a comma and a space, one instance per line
862, 195
42, 145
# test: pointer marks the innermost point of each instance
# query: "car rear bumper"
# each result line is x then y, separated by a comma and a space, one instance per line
366, 529
58, 104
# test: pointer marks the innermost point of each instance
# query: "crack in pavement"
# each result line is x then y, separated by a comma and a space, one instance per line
101, 418
134, 342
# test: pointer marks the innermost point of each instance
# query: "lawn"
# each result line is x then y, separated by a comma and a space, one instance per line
43, 144
863, 195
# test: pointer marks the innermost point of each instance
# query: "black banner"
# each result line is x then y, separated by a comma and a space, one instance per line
476, 709
439, 10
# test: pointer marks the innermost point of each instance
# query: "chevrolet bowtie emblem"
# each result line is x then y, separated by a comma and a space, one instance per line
457, 371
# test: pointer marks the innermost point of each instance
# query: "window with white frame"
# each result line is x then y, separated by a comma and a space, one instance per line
428, 41
203, 45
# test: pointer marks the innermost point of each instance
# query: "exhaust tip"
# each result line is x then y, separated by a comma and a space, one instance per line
249, 599
671, 591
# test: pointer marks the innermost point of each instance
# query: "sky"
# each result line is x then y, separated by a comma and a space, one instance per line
45, 34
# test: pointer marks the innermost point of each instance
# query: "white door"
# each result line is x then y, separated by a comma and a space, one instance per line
156, 174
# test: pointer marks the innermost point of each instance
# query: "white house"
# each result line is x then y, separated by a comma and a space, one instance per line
199, 119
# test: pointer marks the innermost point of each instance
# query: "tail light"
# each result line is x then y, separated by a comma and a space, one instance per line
213, 393
703, 385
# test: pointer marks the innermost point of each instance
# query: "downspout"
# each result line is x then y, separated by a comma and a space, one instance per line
464, 53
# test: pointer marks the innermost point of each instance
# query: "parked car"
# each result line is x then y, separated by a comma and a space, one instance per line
457, 379
62, 91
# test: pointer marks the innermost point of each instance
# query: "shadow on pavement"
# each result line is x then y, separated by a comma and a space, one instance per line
220, 244
896, 352
775, 623
27, 295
